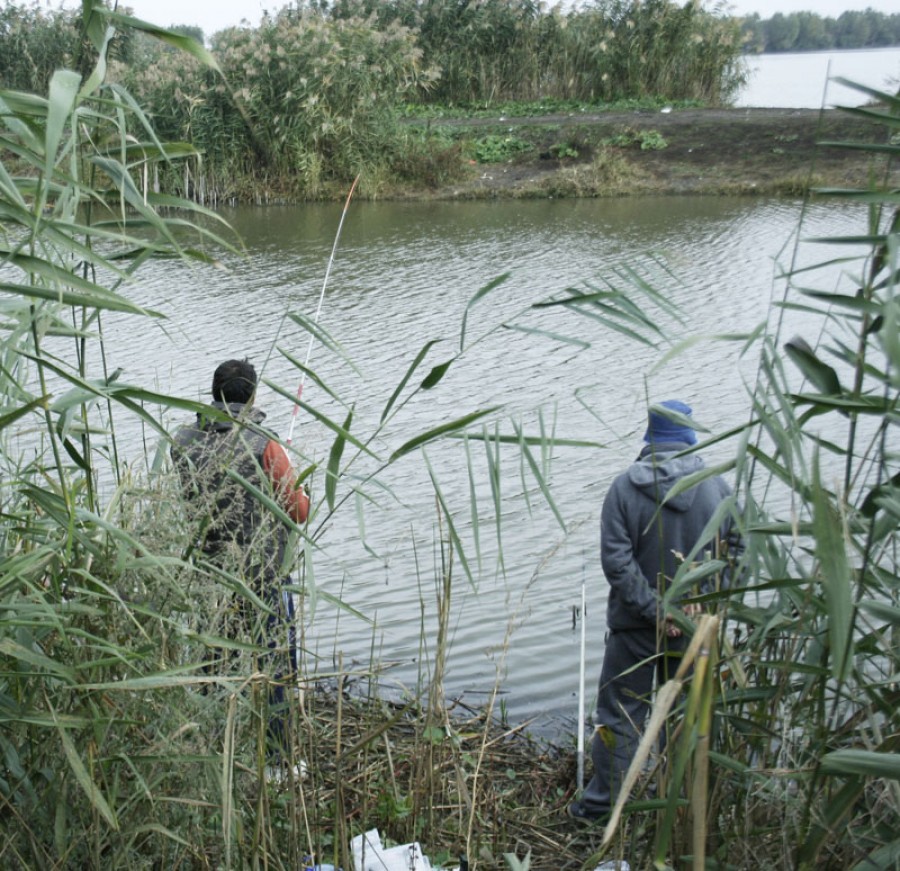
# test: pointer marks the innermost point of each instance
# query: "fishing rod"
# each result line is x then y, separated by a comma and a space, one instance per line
580, 748
312, 337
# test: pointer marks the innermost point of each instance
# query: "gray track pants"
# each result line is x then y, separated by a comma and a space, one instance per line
623, 702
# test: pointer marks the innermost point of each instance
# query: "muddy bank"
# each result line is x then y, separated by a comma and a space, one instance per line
687, 151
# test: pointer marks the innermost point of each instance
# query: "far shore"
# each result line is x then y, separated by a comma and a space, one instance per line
738, 151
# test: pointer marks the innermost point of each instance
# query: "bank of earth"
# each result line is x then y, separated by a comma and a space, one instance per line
781, 152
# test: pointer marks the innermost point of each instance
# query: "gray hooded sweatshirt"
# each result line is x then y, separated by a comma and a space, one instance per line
640, 547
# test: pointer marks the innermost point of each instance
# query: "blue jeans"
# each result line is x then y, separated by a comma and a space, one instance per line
630, 663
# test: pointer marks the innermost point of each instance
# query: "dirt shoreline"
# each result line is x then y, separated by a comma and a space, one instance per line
781, 152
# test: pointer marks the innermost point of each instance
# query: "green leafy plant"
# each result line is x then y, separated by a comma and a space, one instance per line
564, 150
498, 149
646, 140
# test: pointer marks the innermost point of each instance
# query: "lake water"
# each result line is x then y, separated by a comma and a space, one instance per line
805, 80
404, 275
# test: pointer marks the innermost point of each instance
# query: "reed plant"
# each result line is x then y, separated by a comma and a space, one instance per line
33, 43
658, 48
295, 103
90, 602
812, 705
601, 51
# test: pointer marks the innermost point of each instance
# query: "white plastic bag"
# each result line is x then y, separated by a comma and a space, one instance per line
369, 854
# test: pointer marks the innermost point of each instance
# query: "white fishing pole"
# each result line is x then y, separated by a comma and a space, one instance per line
580, 767
337, 237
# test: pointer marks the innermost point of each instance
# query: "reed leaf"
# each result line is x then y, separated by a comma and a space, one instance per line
533, 441
434, 377
479, 295
492, 457
22, 411
107, 301
417, 360
84, 780
822, 375
862, 763
332, 472
546, 334
880, 97
60, 105
320, 416
882, 858
453, 426
455, 539
890, 614
540, 479
179, 41
306, 372
473, 503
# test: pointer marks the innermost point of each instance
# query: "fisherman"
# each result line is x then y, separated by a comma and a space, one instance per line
221, 460
645, 533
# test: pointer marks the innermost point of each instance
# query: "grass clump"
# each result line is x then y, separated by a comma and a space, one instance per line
607, 174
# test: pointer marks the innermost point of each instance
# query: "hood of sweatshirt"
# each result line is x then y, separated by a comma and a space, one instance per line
659, 468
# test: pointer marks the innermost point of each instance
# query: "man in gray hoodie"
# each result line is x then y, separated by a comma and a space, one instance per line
646, 532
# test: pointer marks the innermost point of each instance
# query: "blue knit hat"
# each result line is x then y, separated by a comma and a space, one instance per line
662, 428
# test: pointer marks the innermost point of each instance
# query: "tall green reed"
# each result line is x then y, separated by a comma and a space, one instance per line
828, 668
78, 585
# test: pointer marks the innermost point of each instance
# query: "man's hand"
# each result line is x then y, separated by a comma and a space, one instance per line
672, 631
691, 611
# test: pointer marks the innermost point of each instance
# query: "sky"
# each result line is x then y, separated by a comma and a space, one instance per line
213, 15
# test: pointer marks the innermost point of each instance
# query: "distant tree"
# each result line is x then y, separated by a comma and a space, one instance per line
812, 33
808, 31
782, 32
881, 32
852, 30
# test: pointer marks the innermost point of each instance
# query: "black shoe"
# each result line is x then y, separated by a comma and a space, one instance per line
579, 811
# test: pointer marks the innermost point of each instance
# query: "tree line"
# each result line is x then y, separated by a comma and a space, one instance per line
808, 31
